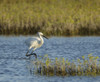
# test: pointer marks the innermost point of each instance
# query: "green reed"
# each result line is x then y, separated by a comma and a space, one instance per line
53, 17
89, 66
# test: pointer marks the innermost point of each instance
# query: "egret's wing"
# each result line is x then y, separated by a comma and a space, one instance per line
30, 41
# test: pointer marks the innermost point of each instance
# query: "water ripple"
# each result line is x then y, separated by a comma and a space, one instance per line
14, 64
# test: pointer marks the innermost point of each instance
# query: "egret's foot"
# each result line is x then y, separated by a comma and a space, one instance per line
28, 55
34, 55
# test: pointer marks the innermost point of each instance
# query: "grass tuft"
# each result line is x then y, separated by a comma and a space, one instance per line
87, 66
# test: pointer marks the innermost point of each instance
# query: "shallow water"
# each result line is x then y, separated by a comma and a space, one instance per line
14, 65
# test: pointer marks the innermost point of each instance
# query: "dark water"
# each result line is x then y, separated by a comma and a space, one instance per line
14, 64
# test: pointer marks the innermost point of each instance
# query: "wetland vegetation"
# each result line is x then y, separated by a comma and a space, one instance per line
89, 66
52, 17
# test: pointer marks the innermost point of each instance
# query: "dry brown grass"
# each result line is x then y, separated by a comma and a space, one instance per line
53, 17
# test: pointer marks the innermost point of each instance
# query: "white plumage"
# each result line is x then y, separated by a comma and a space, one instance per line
35, 42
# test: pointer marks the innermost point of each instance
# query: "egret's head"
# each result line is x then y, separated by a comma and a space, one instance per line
41, 34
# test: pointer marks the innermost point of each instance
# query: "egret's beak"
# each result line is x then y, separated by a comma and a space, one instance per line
45, 37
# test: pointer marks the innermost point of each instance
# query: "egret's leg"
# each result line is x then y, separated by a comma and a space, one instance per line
33, 53
27, 52
33, 50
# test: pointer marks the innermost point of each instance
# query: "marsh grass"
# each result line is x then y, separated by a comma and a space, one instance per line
87, 66
53, 17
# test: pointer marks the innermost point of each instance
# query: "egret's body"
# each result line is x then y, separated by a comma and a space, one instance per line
34, 42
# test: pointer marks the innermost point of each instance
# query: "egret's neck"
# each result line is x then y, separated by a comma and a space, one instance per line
41, 38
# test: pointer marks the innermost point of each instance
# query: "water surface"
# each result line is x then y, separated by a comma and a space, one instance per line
14, 64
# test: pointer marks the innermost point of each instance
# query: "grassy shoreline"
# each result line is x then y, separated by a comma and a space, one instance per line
85, 66
52, 17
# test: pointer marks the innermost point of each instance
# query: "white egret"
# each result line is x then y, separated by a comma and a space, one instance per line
34, 43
